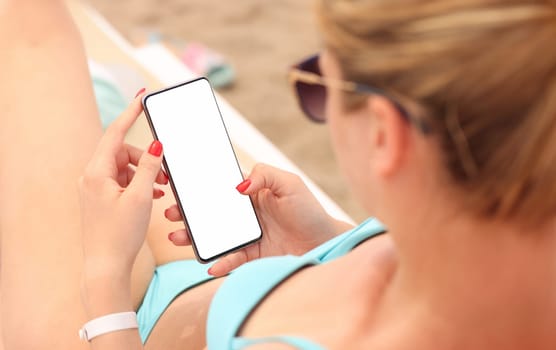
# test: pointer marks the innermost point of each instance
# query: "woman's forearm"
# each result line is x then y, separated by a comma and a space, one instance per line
105, 293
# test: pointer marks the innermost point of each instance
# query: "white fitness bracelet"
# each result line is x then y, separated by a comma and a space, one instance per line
109, 323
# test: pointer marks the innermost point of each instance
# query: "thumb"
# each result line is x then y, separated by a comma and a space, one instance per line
147, 169
267, 177
228, 263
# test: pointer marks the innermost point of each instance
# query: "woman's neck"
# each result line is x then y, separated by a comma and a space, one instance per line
483, 284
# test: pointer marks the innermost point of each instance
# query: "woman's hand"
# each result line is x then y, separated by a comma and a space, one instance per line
116, 197
292, 219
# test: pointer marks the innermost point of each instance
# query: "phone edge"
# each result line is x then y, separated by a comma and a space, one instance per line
172, 186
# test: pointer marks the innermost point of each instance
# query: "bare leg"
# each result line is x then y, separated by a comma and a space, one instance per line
49, 128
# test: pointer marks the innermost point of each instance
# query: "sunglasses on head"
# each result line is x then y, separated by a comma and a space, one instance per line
310, 88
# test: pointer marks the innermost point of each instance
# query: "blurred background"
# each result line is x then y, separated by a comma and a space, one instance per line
261, 40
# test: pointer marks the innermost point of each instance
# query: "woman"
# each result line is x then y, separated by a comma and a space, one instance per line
443, 118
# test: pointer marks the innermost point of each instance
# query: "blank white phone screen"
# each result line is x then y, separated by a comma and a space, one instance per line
203, 168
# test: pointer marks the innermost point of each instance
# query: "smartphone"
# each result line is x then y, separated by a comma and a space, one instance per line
202, 168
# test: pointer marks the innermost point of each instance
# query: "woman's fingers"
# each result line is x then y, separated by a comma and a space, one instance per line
113, 139
114, 136
179, 237
228, 263
268, 177
147, 169
173, 213
162, 178
134, 154
158, 193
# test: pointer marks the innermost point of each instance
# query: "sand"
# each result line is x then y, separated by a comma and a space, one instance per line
261, 39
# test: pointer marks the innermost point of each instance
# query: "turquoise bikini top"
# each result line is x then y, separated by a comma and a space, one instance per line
244, 289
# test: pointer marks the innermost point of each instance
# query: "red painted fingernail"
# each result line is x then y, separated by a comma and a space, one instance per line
242, 187
166, 178
156, 148
171, 236
161, 193
210, 271
139, 92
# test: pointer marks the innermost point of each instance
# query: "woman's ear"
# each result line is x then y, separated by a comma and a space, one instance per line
389, 137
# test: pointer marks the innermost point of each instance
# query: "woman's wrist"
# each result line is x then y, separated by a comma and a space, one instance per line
105, 291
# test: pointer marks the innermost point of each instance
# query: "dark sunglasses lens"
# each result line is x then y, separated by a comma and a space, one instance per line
312, 97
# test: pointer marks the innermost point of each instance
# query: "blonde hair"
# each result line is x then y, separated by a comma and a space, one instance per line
485, 70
